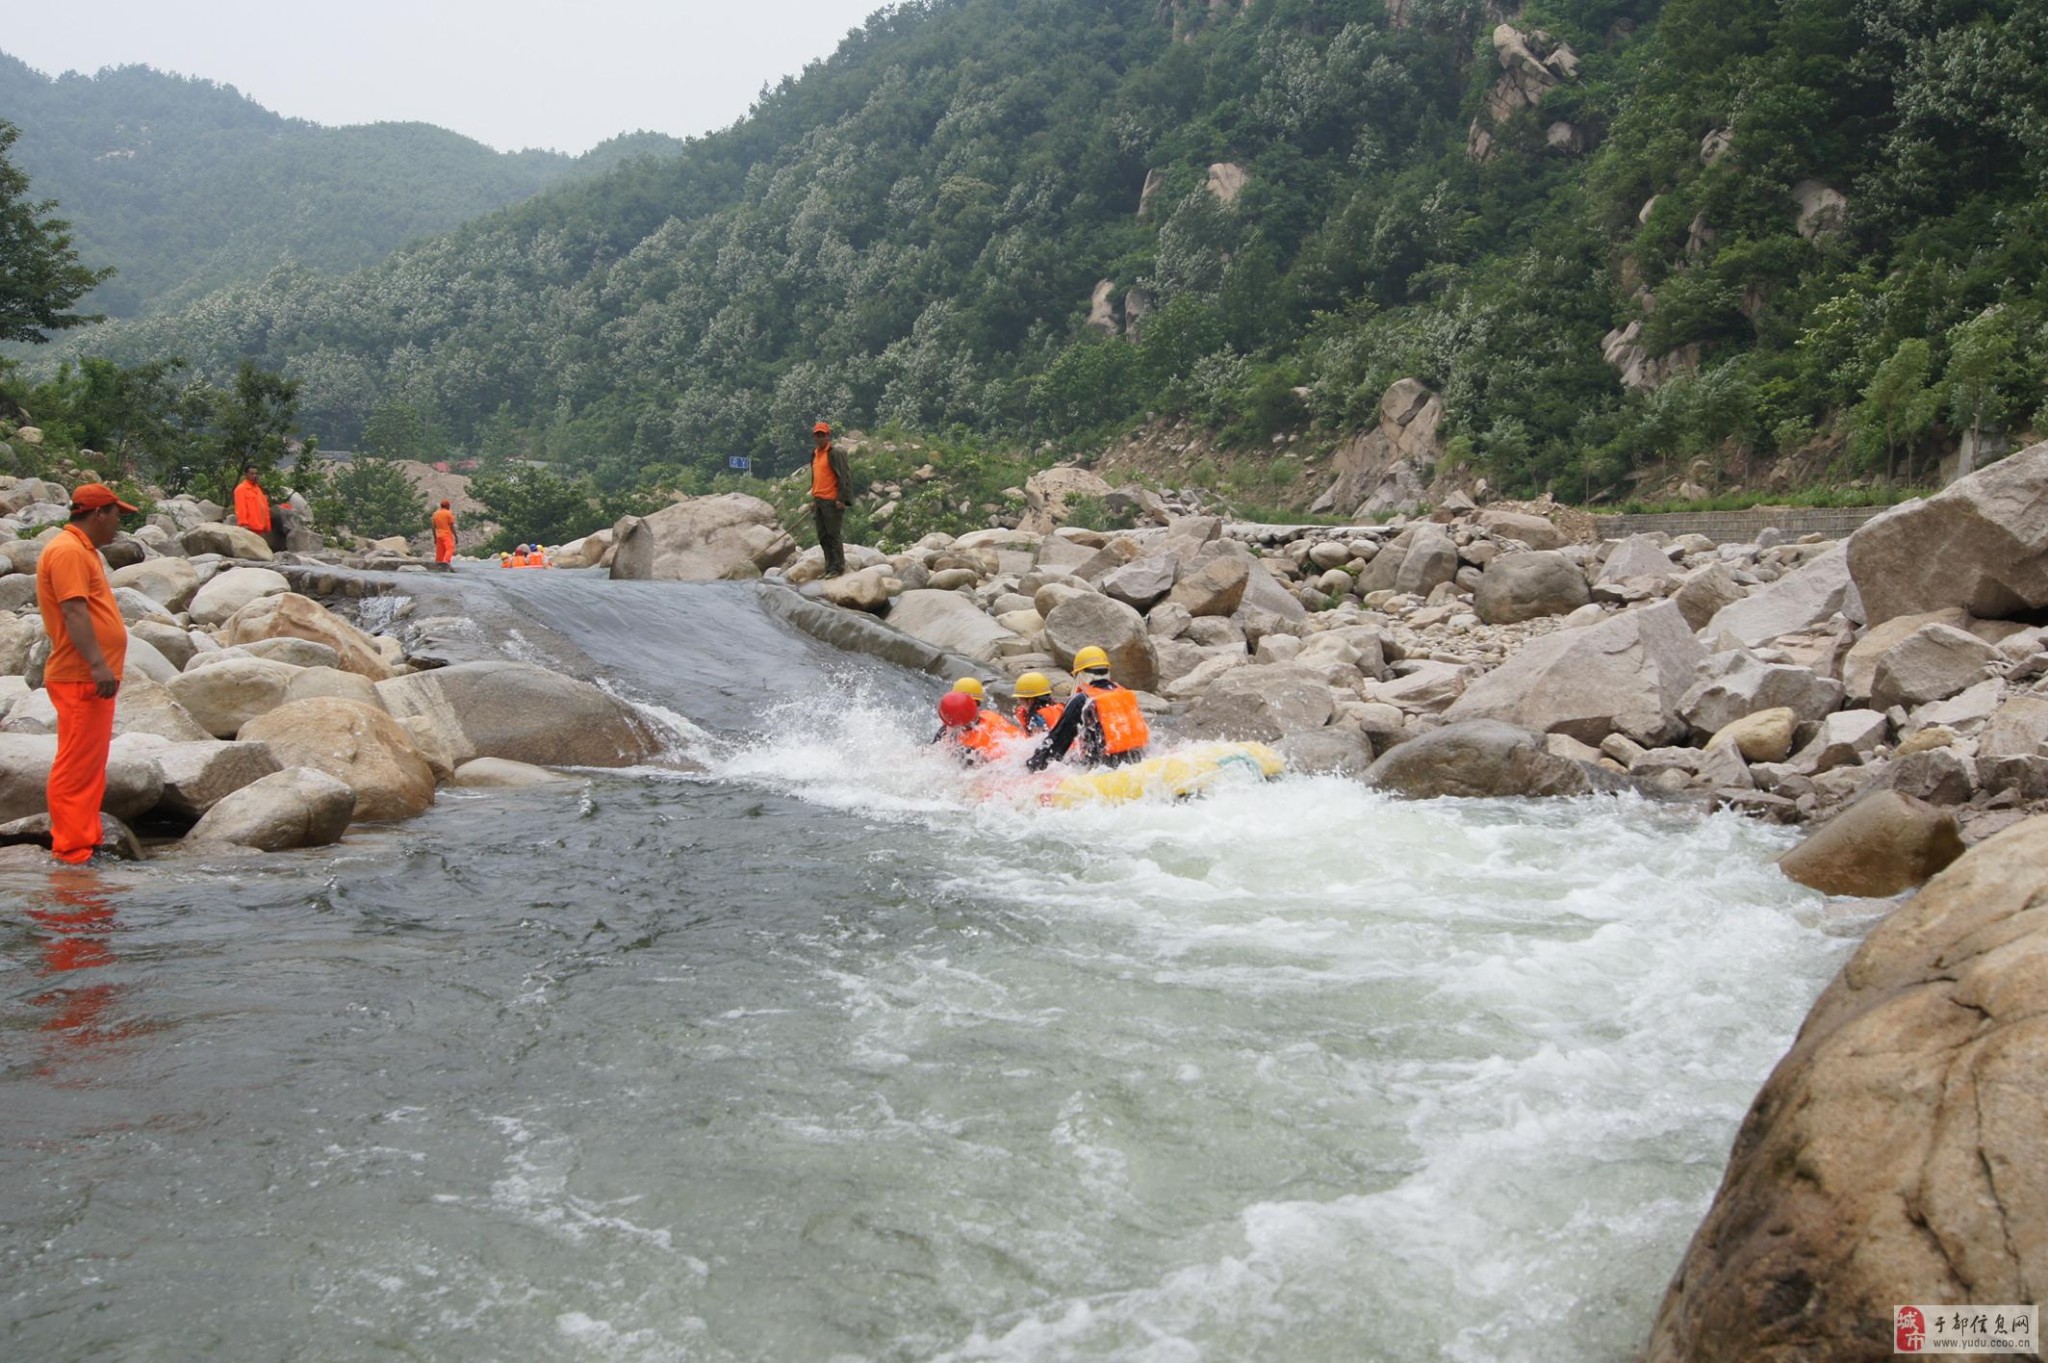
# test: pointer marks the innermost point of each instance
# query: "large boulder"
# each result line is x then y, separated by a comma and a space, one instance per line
225, 593
1799, 600
229, 541
1261, 704
170, 582
1932, 663
1893, 1156
356, 744
525, 714
1884, 843
1415, 561
1141, 583
1981, 543
1218, 587
228, 694
701, 539
1859, 665
292, 616
297, 807
171, 643
1704, 592
1624, 675
1479, 759
1534, 531
198, 776
2013, 745
17, 636
134, 784
1076, 623
1637, 556
1517, 587
950, 621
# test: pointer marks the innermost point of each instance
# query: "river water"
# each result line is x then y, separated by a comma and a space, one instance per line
811, 1056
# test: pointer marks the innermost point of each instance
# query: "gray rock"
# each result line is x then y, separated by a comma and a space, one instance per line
361, 746
225, 696
1420, 687
1218, 587
1415, 562
1705, 592
1636, 557
525, 714
173, 645
297, 807
701, 539
2012, 744
33, 830
1141, 583
1932, 663
1799, 600
1260, 704
1112, 626
1845, 739
497, 773
1534, 531
1859, 668
198, 776
1940, 776
229, 541
949, 621
1980, 544
170, 582
1737, 683
1478, 759
1626, 675
1330, 751
1518, 587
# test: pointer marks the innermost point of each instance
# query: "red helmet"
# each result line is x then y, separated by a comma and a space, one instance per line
958, 708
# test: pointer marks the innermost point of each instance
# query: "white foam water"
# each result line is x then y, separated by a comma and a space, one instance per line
1322, 1074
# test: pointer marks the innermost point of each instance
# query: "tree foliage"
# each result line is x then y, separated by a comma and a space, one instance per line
913, 232
40, 274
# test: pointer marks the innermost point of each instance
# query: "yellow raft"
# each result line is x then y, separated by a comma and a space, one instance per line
1178, 775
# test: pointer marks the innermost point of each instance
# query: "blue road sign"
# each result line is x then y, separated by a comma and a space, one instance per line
739, 463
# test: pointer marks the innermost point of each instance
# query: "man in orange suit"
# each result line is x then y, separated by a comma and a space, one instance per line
88, 647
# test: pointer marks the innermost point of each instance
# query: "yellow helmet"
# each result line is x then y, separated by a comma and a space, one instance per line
1031, 686
1090, 658
970, 686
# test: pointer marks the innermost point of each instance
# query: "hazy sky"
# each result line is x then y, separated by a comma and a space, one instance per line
510, 73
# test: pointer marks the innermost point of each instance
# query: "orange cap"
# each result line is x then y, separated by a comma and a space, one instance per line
93, 496
822, 428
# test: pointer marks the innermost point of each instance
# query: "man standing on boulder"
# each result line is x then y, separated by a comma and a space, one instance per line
88, 646
252, 505
831, 489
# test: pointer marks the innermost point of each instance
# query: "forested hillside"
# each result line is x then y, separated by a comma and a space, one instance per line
185, 186
1611, 233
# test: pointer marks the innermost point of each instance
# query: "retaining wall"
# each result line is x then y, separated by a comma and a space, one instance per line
1742, 527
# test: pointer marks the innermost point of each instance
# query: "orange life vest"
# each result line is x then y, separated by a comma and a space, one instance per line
1037, 719
517, 561
1123, 723
988, 735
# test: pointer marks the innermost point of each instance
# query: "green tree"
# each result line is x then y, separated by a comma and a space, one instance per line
40, 277
1898, 405
252, 423
370, 496
535, 505
1981, 356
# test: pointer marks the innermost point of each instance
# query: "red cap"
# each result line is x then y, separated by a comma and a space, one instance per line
92, 496
822, 428
445, 506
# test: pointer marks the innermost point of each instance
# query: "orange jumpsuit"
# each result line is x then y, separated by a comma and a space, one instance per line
252, 506
71, 569
444, 535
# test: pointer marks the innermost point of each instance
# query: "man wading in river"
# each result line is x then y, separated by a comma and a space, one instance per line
831, 489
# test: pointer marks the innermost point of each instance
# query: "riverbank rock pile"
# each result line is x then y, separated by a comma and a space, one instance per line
253, 717
1894, 1154
1789, 679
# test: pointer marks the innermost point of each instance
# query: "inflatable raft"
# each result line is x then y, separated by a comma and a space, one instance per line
1177, 775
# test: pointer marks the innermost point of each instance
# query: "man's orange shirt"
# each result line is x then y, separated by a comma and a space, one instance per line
824, 486
252, 507
70, 569
444, 522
